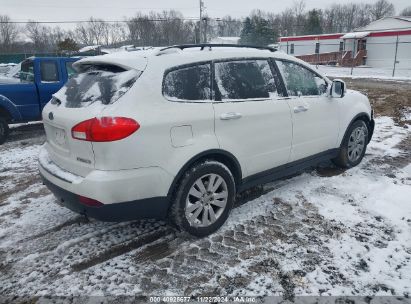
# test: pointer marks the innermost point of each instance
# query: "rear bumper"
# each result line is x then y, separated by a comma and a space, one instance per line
155, 207
122, 194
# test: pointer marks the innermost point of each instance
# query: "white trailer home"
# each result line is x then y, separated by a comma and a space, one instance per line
381, 44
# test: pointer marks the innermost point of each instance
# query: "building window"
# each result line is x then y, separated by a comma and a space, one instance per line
317, 48
341, 46
292, 48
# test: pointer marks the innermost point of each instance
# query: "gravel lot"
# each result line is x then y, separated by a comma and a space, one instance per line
323, 232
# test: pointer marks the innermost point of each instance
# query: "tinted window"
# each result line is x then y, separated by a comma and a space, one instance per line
70, 70
103, 84
27, 71
247, 79
49, 71
292, 48
190, 83
301, 81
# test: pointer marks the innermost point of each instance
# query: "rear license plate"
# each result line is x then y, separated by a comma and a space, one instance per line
59, 136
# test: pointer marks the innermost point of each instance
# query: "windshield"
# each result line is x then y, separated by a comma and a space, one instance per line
103, 84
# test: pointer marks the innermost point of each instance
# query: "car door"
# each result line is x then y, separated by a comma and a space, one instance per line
48, 79
252, 120
23, 92
315, 115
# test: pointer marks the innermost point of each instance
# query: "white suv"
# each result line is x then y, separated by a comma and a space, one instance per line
177, 132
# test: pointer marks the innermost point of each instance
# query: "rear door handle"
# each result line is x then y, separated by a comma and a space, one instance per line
230, 115
300, 109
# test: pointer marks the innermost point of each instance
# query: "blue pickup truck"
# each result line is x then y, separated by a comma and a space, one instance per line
24, 94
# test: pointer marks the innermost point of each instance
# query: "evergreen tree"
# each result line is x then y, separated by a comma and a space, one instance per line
257, 31
67, 45
313, 23
247, 32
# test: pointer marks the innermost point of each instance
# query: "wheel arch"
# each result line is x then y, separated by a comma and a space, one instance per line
4, 113
222, 156
9, 110
368, 121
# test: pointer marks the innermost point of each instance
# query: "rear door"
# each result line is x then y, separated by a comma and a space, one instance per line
252, 120
315, 114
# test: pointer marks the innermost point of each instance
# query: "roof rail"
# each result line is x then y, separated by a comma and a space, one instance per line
215, 45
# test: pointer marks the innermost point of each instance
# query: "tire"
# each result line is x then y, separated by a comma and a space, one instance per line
195, 201
4, 130
354, 145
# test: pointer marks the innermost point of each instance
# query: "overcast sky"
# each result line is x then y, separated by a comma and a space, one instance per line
52, 10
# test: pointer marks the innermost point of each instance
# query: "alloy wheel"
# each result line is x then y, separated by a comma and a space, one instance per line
206, 200
356, 143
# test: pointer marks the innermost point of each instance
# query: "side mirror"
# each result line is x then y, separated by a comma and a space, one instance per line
338, 88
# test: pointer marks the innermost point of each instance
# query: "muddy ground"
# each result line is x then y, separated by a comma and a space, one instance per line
317, 233
388, 98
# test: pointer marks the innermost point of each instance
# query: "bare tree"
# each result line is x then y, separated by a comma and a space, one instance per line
118, 33
8, 33
41, 37
382, 8
406, 12
228, 27
287, 21
142, 30
299, 15
92, 32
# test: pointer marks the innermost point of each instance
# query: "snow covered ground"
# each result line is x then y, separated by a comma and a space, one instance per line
366, 72
324, 232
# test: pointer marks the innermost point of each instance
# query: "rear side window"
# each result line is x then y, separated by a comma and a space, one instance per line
102, 84
70, 70
49, 71
27, 71
246, 79
191, 83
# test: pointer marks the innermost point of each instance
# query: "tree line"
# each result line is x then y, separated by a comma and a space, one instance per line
171, 27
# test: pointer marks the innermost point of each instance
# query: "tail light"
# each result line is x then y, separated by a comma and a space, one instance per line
104, 129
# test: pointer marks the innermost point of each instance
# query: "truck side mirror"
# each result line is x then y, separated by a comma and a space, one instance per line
338, 88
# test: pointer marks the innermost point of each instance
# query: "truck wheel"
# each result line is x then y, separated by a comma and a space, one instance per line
203, 199
4, 130
353, 146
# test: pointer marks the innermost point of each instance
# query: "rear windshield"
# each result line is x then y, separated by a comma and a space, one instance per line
103, 84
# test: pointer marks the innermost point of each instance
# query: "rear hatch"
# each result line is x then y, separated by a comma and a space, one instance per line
84, 97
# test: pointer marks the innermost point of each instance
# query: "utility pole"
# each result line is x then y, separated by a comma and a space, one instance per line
201, 19
395, 57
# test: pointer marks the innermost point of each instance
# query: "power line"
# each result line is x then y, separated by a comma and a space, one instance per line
99, 6
137, 19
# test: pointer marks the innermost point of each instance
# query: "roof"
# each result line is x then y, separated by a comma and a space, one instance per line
355, 35
312, 37
89, 48
404, 18
174, 57
387, 24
